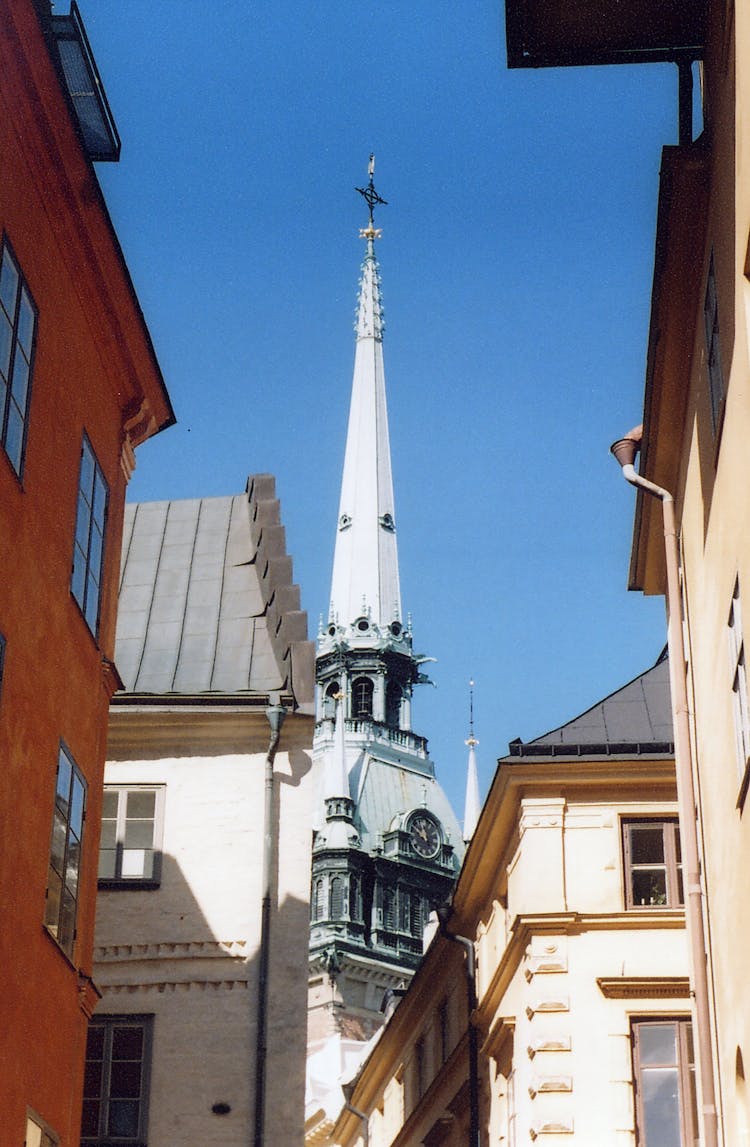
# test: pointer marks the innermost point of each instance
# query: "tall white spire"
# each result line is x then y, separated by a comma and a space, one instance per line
365, 579
472, 805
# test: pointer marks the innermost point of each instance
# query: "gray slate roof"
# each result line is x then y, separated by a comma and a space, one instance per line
207, 603
636, 719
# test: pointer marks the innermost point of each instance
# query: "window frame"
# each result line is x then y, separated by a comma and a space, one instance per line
109, 1022
685, 1069
363, 698
118, 881
54, 919
88, 504
672, 861
28, 354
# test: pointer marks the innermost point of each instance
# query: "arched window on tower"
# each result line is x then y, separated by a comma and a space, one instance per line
362, 691
393, 695
355, 912
337, 898
329, 701
318, 899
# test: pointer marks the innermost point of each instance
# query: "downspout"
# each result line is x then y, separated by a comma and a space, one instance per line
625, 450
359, 1114
275, 715
444, 913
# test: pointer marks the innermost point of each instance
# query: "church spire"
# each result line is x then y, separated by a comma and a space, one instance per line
472, 806
365, 583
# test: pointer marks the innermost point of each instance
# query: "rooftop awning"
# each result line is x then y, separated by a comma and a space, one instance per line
559, 33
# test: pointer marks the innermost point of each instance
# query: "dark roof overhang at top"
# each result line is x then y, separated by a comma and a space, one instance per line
634, 721
562, 33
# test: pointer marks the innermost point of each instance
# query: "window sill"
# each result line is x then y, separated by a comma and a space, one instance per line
128, 885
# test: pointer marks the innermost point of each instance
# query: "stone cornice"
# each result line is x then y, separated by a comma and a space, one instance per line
644, 987
143, 728
565, 923
172, 950
161, 986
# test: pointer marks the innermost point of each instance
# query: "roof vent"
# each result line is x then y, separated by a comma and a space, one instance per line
84, 87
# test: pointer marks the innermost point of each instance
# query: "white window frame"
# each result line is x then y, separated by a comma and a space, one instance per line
123, 879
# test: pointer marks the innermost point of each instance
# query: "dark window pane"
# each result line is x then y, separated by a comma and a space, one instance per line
125, 1079
100, 500
26, 322
86, 483
92, 603
141, 804
8, 284
20, 383
127, 1043
64, 774
109, 833
78, 580
107, 864
6, 340
52, 904
647, 845
95, 1042
90, 1120
109, 803
14, 437
83, 523
73, 865
77, 804
57, 848
649, 887
139, 834
67, 925
92, 1078
123, 1117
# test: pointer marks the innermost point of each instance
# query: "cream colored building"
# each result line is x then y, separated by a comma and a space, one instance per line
212, 646
570, 900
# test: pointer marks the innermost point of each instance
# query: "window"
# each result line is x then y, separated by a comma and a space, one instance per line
362, 691
739, 682
115, 1090
85, 583
653, 864
337, 898
393, 695
664, 1080
132, 825
38, 1133
65, 852
713, 348
18, 317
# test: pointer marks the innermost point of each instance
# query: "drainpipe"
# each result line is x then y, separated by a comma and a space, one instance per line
625, 450
444, 913
348, 1089
275, 715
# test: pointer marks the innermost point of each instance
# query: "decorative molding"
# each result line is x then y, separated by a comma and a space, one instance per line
541, 1084
162, 986
545, 955
188, 949
542, 1006
541, 812
551, 1127
556, 1043
644, 987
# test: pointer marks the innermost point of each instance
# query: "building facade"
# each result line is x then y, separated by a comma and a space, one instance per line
387, 844
569, 1018
202, 921
80, 387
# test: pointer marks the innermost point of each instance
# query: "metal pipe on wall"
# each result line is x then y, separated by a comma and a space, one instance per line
625, 450
275, 715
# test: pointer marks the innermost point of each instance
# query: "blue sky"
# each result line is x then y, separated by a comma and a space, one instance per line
516, 262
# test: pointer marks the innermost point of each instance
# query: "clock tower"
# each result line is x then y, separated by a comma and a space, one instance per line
387, 844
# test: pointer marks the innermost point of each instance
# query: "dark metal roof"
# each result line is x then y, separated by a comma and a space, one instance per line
207, 603
634, 720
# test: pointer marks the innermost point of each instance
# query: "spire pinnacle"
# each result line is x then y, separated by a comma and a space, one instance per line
371, 198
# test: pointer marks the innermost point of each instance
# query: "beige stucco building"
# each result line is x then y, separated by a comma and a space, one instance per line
213, 648
570, 902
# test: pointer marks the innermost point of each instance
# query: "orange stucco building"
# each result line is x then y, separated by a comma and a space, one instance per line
80, 387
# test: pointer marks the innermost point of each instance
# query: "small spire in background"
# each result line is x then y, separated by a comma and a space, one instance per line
472, 805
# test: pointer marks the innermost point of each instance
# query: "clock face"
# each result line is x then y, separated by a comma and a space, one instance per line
424, 835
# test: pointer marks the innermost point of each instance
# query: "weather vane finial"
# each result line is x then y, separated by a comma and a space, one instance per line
371, 197
471, 739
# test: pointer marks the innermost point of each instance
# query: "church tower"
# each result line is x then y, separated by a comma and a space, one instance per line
387, 845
